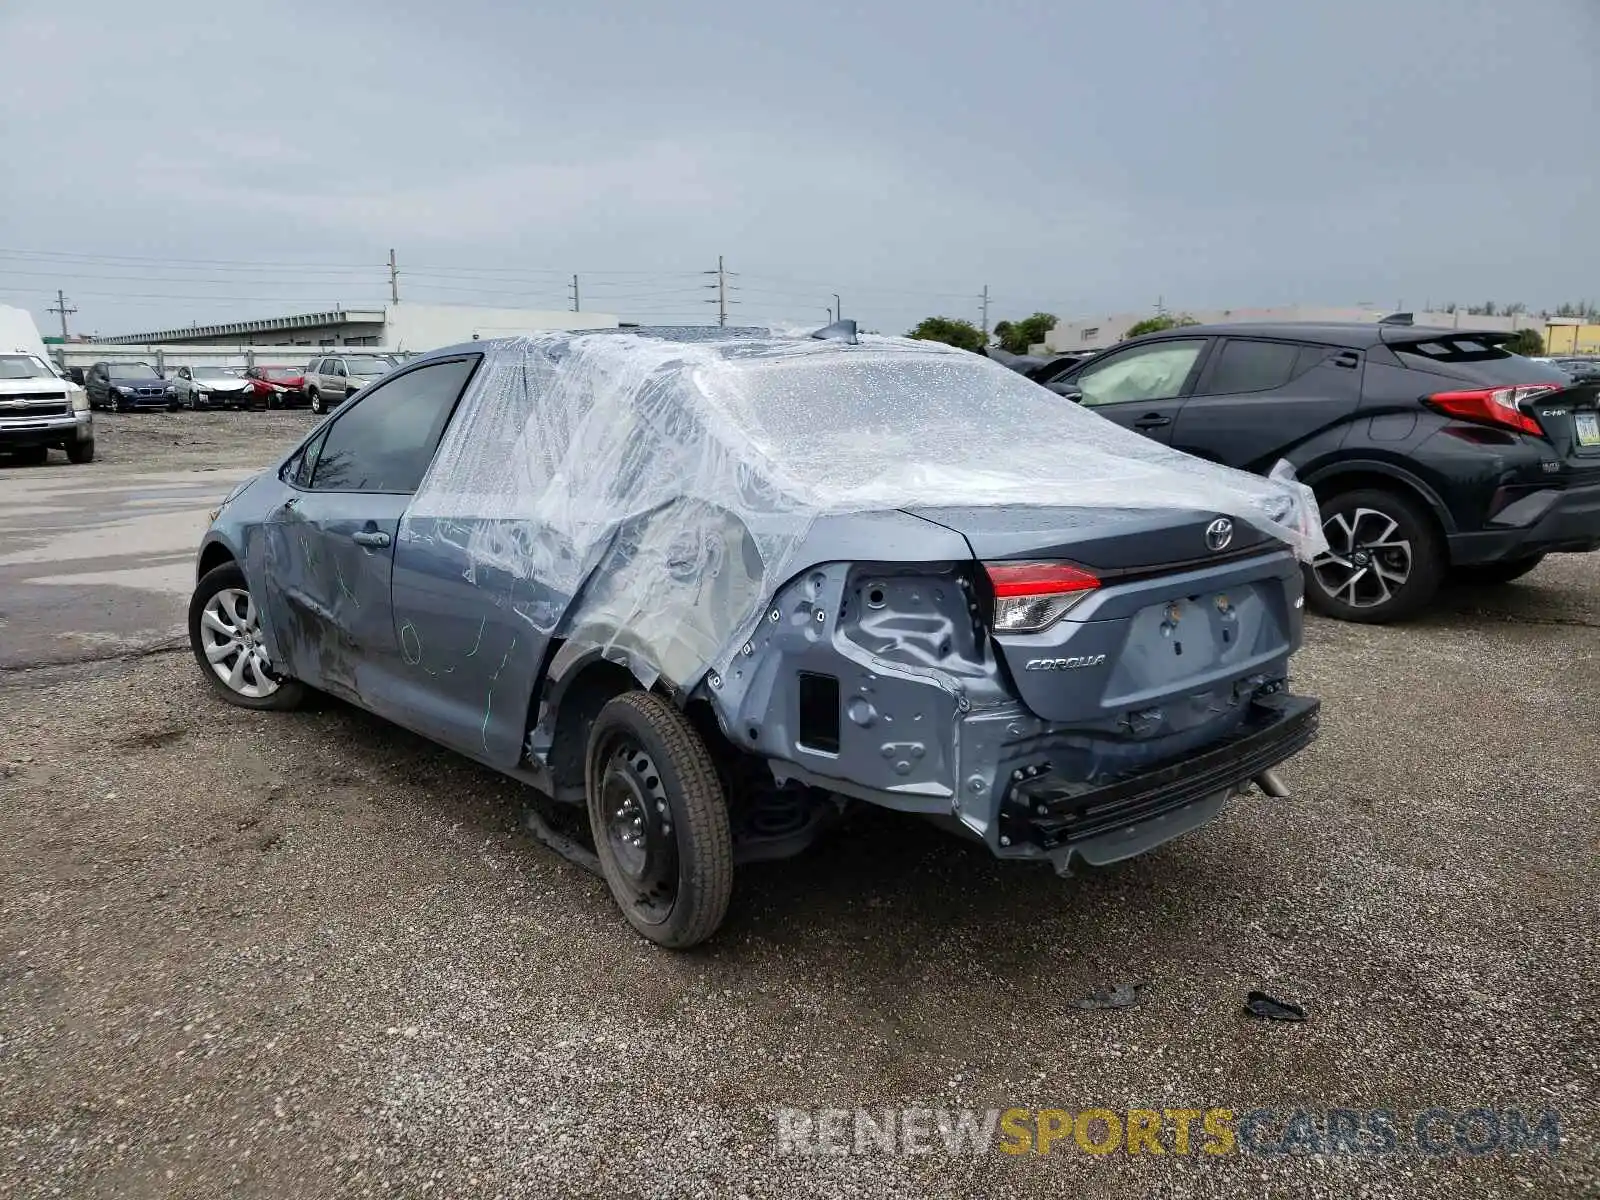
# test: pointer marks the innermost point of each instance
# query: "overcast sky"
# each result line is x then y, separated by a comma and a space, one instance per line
169, 163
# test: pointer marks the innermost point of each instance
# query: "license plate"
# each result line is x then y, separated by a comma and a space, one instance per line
1588, 426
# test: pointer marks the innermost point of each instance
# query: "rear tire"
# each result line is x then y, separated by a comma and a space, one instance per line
80, 452
659, 819
224, 629
1386, 559
1488, 574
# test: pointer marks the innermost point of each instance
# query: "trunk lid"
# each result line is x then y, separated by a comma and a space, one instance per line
1570, 419
1176, 636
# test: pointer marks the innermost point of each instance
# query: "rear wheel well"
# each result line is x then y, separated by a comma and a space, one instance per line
1355, 481
581, 702
212, 557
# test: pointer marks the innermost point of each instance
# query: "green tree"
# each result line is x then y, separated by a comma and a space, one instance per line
1017, 337
1527, 342
952, 331
1157, 324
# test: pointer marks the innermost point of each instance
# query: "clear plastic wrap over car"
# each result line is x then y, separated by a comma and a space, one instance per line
673, 462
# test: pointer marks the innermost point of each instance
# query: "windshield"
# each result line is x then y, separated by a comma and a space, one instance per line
367, 365
23, 366
134, 371
212, 373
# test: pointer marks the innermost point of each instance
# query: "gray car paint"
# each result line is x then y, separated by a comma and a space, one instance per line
937, 714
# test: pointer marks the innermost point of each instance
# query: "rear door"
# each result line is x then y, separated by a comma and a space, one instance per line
330, 546
1143, 387
1258, 399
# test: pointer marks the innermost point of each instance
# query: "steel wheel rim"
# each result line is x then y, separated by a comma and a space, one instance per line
230, 638
637, 826
1366, 562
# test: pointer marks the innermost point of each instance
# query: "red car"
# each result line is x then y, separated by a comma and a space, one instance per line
277, 387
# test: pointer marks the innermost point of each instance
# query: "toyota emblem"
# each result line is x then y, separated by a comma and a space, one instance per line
1219, 533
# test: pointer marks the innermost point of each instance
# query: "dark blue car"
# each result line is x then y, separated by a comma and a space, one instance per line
710, 588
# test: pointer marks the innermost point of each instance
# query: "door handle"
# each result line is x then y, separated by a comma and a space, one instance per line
370, 537
1152, 421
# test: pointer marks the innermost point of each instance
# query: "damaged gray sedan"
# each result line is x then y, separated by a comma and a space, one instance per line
705, 589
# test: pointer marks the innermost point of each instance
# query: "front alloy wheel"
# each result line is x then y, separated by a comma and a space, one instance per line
225, 635
1384, 561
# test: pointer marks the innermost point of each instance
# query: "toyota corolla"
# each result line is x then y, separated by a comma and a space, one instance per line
705, 590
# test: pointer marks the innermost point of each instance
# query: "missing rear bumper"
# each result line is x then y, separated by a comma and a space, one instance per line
1056, 818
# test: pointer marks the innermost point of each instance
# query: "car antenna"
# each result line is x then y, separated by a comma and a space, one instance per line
840, 331
1403, 318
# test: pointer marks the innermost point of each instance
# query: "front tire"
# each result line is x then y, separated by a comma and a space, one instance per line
659, 819
225, 635
1385, 562
80, 452
31, 456
317, 405
1490, 574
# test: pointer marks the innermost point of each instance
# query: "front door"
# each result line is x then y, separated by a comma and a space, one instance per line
330, 547
1143, 387
330, 555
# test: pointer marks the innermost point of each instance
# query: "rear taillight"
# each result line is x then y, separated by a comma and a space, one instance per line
1497, 406
1030, 596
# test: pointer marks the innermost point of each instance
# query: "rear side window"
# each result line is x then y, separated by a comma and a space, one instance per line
1471, 358
386, 440
1246, 366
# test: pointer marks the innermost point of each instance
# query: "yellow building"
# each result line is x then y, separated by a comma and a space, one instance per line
1564, 335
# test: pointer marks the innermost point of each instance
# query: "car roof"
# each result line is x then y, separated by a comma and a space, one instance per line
733, 335
1354, 334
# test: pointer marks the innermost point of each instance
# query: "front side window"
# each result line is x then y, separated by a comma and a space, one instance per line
384, 442
1155, 372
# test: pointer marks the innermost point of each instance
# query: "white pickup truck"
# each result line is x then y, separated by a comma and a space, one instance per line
39, 407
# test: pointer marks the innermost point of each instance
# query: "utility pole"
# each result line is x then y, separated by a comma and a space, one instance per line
61, 307
575, 307
838, 307
985, 301
394, 280
721, 285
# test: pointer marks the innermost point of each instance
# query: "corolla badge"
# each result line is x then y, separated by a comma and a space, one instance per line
1064, 664
1219, 533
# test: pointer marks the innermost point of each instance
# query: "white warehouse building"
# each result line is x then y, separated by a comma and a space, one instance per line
399, 328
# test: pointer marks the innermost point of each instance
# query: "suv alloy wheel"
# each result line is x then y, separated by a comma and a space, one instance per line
1384, 562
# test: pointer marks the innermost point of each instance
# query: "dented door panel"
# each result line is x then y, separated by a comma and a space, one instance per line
327, 559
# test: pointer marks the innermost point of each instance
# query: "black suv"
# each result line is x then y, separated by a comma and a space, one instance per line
1431, 451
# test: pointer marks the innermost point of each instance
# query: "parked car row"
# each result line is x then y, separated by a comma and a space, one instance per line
322, 384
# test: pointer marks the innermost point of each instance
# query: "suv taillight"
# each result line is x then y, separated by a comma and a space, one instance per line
1030, 596
1497, 406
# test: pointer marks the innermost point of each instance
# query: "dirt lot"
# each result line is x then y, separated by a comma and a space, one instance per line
306, 955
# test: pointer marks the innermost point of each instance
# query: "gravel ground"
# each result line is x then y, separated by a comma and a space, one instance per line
302, 955
185, 440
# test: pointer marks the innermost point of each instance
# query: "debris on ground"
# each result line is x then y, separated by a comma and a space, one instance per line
1118, 995
1259, 1004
